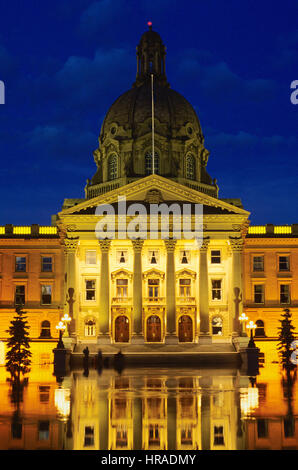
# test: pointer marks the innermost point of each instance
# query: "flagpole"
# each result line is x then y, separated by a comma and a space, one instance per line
152, 104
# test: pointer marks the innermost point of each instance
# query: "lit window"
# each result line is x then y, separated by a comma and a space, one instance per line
284, 263
90, 257
20, 295
20, 265
89, 436
259, 294
190, 167
153, 288
90, 289
215, 257
258, 263
90, 328
46, 264
148, 164
217, 326
184, 287
122, 287
285, 294
46, 295
113, 167
216, 289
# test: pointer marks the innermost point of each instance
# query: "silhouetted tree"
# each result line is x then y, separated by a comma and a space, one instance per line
18, 355
285, 339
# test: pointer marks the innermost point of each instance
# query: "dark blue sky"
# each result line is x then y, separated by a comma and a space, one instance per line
64, 62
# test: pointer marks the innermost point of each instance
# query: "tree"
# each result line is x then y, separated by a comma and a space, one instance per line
286, 338
18, 355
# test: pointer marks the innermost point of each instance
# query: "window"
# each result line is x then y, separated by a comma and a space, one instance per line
90, 289
46, 295
258, 263
121, 256
44, 394
20, 295
122, 287
186, 435
215, 257
154, 434
260, 331
153, 288
285, 294
148, 164
259, 294
184, 287
89, 436
46, 264
153, 256
90, 257
121, 436
217, 326
218, 436
113, 167
216, 289
289, 426
90, 328
43, 430
190, 167
184, 257
16, 427
284, 263
262, 428
20, 264
45, 329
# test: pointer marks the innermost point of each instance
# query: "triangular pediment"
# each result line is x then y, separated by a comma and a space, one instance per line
162, 189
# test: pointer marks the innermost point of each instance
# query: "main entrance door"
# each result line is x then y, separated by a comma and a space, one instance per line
122, 329
153, 329
185, 329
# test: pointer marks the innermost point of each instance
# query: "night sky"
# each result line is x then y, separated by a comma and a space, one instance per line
64, 62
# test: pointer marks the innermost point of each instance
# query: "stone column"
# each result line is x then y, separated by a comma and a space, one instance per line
204, 293
170, 289
137, 291
205, 384
104, 299
71, 292
236, 245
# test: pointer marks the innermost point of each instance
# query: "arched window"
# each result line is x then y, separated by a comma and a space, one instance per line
260, 330
190, 167
217, 326
90, 328
148, 163
112, 167
45, 329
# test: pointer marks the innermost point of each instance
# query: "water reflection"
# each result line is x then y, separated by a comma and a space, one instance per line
149, 409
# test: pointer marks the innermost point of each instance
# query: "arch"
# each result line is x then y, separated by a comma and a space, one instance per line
217, 324
153, 329
148, 163
190, 167
185, 329
112, 167
122, 329
45, 331
90, 327
260, 329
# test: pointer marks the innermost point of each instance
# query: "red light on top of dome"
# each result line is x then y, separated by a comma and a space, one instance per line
149, 23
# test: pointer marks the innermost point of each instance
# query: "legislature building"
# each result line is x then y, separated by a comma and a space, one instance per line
140, 290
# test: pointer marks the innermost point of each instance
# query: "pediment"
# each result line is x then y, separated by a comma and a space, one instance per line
161, 190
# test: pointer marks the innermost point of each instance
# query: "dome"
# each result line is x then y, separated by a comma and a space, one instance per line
134, 107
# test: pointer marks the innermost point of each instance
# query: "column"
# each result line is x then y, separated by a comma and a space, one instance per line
137, 289
204, 292
71, 294
236, 245
205, 384
170, 287
104, 299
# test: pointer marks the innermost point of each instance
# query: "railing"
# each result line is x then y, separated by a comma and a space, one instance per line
158, 300
121, 300
186, 300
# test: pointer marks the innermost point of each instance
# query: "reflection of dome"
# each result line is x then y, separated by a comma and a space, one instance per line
133, 107
125, 141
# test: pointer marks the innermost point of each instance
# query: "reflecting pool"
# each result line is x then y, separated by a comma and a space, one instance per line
151, 409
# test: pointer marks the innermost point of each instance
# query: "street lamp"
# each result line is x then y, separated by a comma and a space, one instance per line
251, 326
66, 319
243, 318
60, 327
